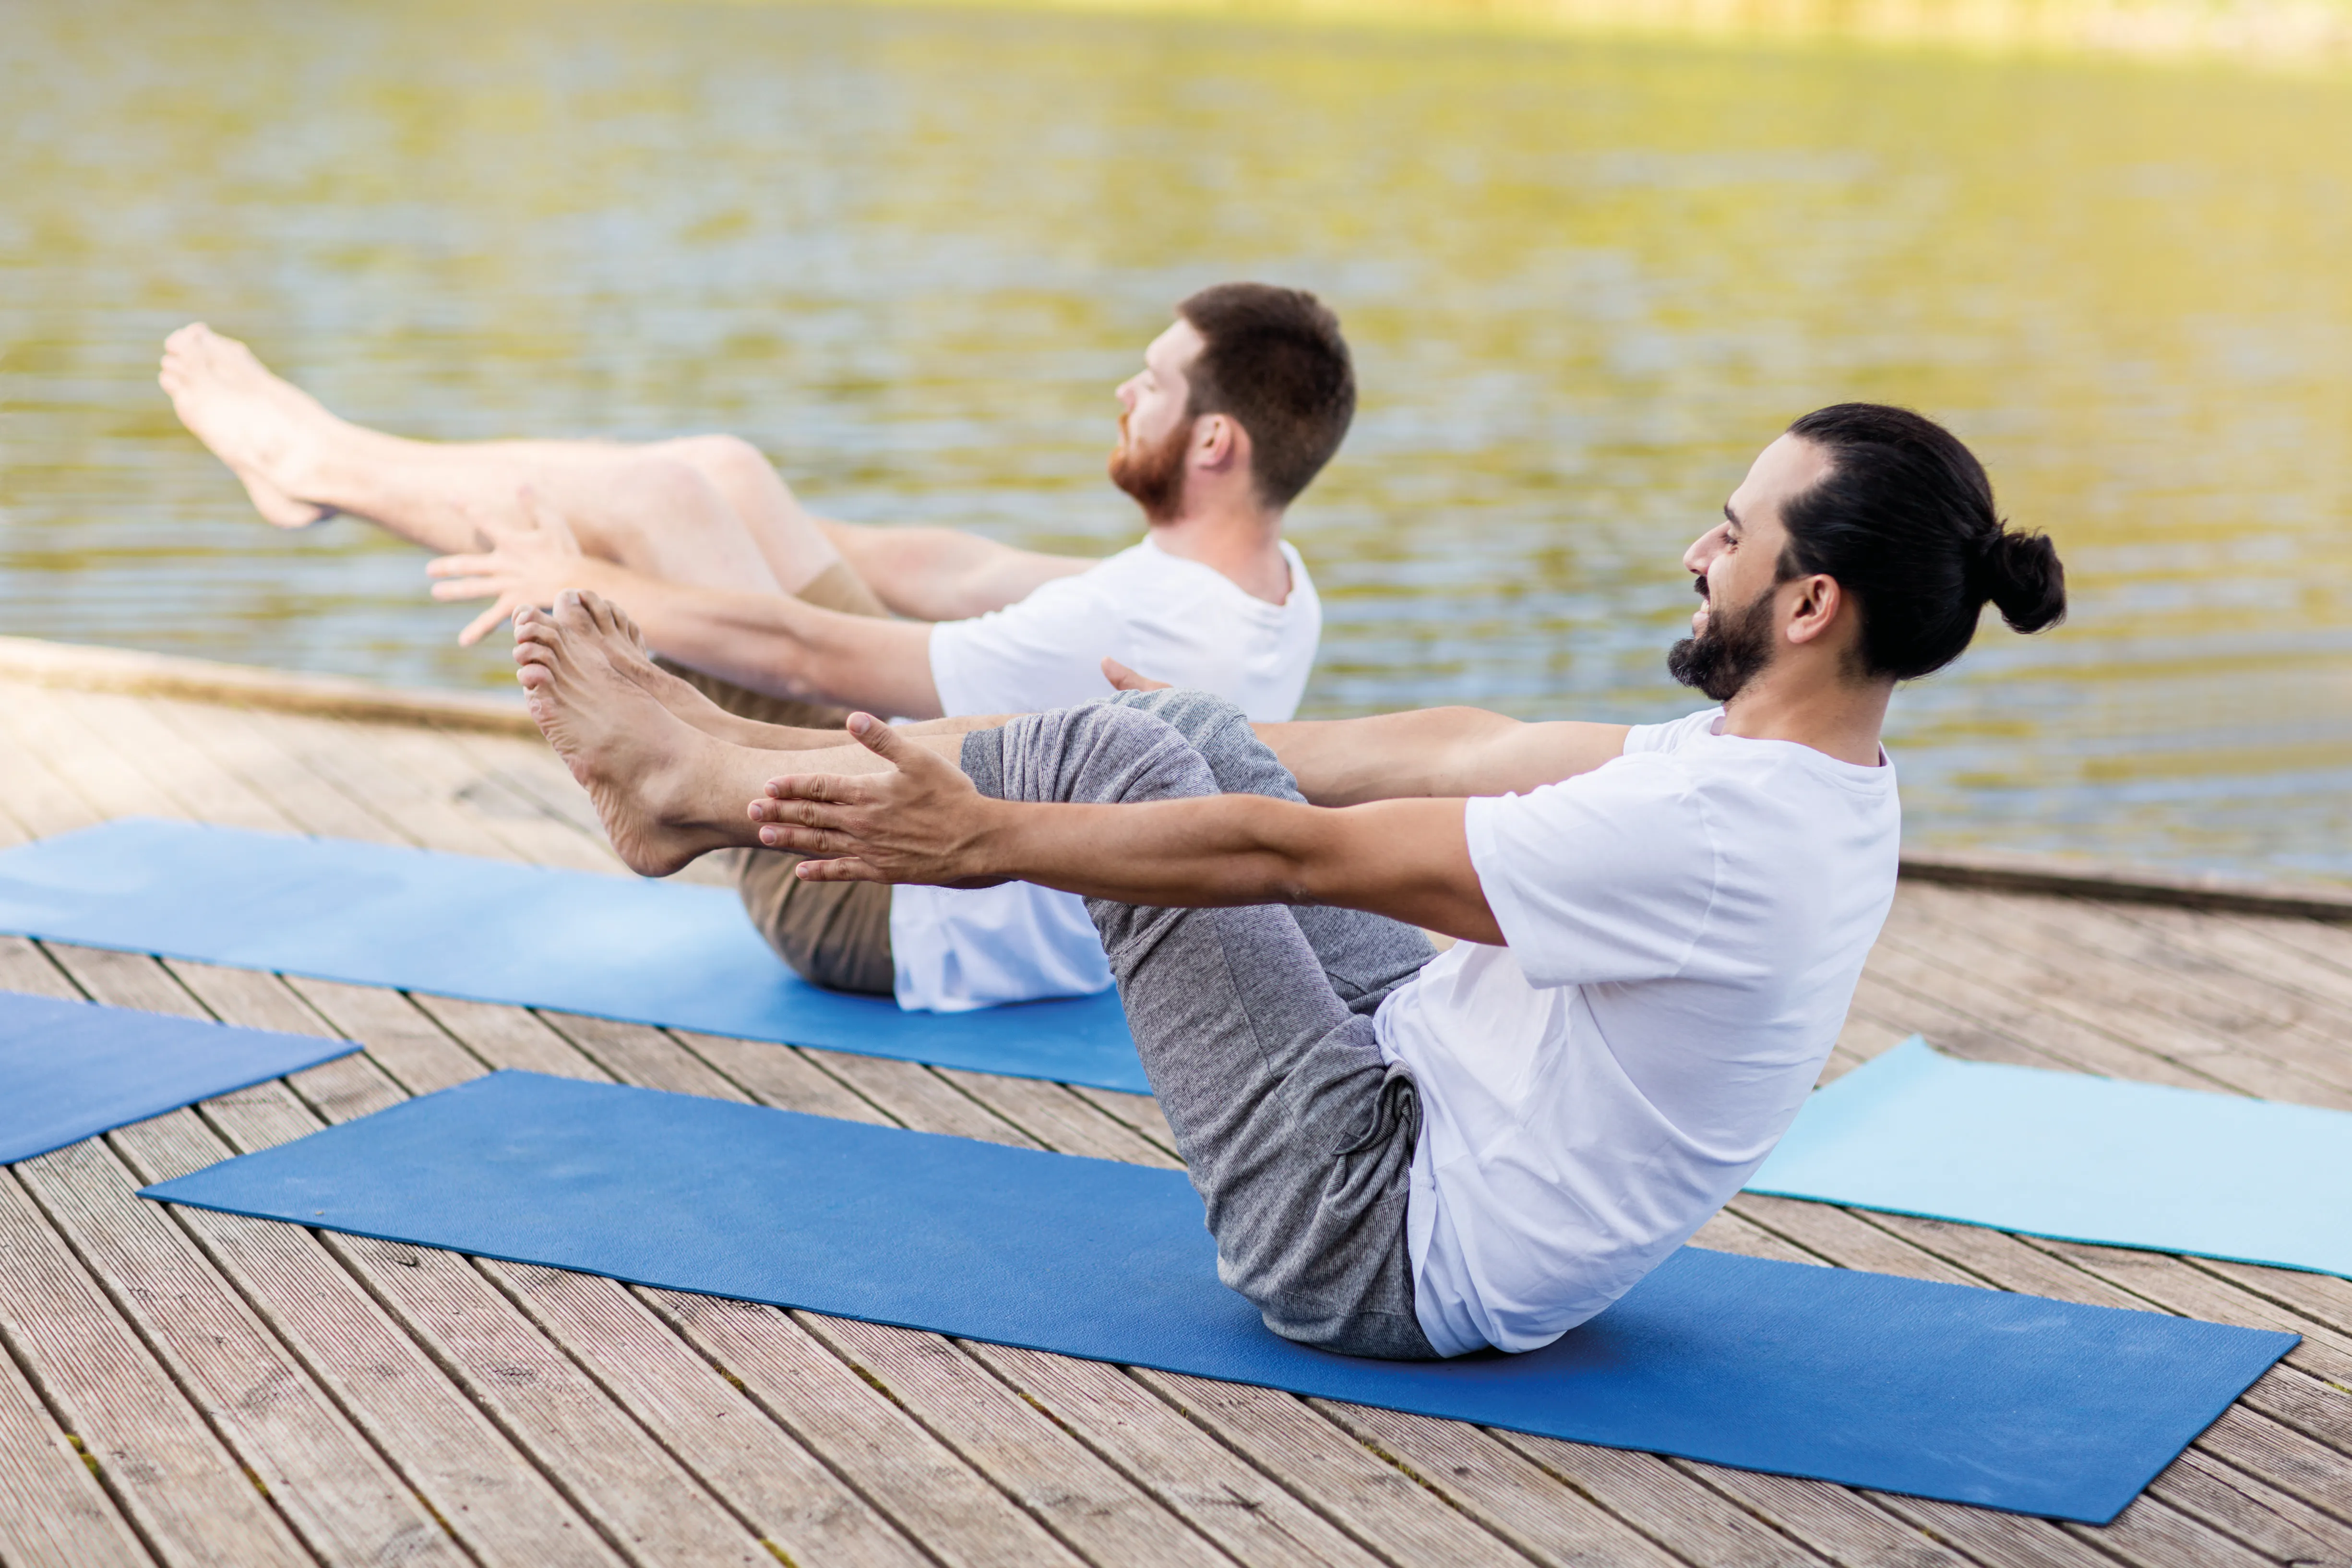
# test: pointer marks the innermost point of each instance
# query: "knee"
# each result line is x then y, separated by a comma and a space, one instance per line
663, 493
1199, 716
1098, 752
731, 464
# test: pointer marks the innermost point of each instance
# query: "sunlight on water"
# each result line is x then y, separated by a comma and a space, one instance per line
909, 253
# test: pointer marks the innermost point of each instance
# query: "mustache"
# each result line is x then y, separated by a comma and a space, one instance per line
1698, 586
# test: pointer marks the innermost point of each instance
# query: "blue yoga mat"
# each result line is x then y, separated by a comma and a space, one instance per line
2076, 1158
69, 1070
669, 954
1935, 1390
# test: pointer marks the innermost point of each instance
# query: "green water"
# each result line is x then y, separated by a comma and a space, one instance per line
909, 253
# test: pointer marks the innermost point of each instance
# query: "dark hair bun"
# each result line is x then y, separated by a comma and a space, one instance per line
2024, 580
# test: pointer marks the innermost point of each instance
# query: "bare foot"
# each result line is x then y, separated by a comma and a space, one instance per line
257, 423
656, 781
625, 645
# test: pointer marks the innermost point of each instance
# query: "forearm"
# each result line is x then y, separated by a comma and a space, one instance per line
775, 644
1435, 753
1403, 860
940, 573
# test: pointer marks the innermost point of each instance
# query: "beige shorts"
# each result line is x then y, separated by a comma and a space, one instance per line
836, 934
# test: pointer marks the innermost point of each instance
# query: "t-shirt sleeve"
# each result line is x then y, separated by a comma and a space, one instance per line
1607, 876
1046, 651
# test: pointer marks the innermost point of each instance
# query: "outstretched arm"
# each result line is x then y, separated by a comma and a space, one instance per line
1442, 752
771, 643
922, 821
944, 573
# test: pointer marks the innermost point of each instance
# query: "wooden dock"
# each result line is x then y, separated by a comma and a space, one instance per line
190, 1388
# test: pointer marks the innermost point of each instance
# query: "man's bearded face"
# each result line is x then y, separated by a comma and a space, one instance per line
1732, 651
1153, 475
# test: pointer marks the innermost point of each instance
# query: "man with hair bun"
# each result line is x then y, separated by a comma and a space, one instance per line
769, 616
1406, 1153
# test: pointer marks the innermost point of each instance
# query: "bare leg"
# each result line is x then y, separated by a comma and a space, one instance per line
708, 511
666, 791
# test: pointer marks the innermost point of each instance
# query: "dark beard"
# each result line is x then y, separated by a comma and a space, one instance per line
1731, 652
1154, 476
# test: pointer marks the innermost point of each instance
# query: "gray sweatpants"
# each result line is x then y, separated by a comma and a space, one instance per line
1256, 1026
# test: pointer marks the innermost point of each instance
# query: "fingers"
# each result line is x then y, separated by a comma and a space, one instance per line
485, 623
845, 868
465, 588
1125, 680
462, 565
823, 789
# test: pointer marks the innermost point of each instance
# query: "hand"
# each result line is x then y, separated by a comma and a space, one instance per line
1126, 679
524, 566
922, 821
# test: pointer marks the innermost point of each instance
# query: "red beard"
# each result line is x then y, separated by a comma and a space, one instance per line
1154, 476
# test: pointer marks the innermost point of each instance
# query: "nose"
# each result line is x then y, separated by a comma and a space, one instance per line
1126, 393
1702, 551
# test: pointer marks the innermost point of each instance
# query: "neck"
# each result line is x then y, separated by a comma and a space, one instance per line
1234, 536
1838, 718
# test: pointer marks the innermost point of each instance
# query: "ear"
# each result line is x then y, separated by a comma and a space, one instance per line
1817, 609
1219, 442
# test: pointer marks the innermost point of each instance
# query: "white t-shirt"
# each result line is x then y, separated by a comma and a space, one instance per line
1167, 617
1687, 923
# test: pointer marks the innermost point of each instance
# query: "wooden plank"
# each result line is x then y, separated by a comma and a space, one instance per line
432, 764
32, 791
186, 1492
472, 1478
918, 1097
508, 1037
1897, 991
1150, 1443
2153, 1536
2092, 995
1140, 1111
1844, 1238
779, 1075
866, 1436
172, 767
1090, 1507
479, 1484
24, 967
417, 1053
45, 727
775, 1483
877, 1451
343, 1498
632, 1053
2266, 1519
1949, 973
607, 1466
1670, 1505
256, 755
1841, 1525
1500, 1489
1058, 1119
2168, 993
361, 762
52, 1509
1380, 1499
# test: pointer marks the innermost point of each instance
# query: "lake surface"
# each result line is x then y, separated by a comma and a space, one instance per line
909, 253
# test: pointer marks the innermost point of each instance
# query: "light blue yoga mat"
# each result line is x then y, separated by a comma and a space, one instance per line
1905, 1386
2077, 1159
668, 954
69, 1070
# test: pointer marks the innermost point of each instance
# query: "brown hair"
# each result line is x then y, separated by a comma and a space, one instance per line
1274, 360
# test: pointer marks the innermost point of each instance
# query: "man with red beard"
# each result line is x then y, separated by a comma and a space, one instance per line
774, 616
